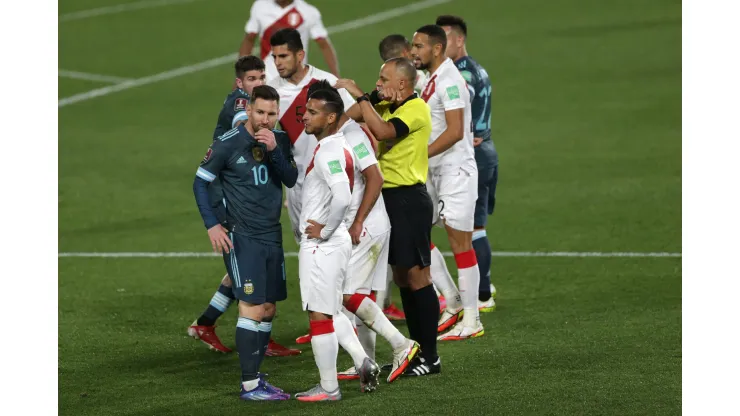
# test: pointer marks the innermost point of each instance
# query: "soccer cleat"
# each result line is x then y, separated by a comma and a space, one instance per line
402, 359
487, 306
369, 373
276, 350
448, 319
460, 332
420, 367
262, 393
303, 339
263, 377
318, 394
349, 374
442, 304
493, 291
207, 334
394, 314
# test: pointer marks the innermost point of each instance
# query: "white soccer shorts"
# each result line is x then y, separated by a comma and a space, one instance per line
322, 269
368, 264
453, 192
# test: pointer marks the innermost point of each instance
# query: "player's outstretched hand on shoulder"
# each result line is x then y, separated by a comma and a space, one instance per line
314, 229
266, 137
350, 86
219, 239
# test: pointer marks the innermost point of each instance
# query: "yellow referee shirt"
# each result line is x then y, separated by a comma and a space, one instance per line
405, 161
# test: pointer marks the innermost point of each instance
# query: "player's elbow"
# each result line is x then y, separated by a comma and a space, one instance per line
291, 179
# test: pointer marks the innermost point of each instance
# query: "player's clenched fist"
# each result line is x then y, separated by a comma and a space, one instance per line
219, 239
266, 137
350, 86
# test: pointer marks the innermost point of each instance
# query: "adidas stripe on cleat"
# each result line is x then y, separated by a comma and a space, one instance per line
420, 367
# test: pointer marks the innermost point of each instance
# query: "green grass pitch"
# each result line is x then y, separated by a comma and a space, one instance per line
587, 121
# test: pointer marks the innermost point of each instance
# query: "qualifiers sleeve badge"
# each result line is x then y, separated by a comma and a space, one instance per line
207, 157
240, 104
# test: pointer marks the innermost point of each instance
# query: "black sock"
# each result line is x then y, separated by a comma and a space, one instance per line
412, 315
483, 253
265, 332
220, 301
427, 306
249, 347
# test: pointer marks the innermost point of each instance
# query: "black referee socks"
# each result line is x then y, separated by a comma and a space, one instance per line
427, 310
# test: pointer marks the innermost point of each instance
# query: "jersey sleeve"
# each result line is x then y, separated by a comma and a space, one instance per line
331, 168
347, 98
214, 161
362, 148
450, 93
411, 117
253, 24
317, 29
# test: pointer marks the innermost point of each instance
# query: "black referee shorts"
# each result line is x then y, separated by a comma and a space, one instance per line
410, 212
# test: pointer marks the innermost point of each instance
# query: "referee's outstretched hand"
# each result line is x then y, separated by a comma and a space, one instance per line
219, 239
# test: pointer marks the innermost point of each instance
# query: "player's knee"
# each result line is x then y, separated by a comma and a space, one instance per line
251, 311
460, 241
318, 316
226, 281
268, 312
419, 278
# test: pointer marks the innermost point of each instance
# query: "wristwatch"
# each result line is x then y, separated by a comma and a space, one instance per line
363, 97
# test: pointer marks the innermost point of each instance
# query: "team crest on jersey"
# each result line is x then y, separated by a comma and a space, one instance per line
207, 157
258, 154
294, 19
240, 104
248, 287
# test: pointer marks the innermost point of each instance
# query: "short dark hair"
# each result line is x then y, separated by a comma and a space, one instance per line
320, 85
405, 67
392, 46
264, 92
455, 22
436, 35
248, 63
332, 99
287, 36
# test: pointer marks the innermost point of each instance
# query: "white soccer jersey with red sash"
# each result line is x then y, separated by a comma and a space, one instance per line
267, 17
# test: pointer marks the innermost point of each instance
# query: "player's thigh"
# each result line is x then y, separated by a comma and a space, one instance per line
366, 259
322, 272
492, 191
485, 176
276, 283
247, 267
411, 238
457, 192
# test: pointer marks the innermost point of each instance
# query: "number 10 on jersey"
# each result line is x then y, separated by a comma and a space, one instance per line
260, 174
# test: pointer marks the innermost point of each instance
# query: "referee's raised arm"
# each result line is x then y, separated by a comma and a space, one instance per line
402, 124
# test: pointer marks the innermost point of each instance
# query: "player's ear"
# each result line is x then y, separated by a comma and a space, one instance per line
300, 55
239, 84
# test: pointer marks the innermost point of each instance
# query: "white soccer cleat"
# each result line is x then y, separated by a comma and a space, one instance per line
448, 319
460, 332
402, 359
487, 306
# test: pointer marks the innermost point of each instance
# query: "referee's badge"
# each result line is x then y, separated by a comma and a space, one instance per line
248, 287
258, 154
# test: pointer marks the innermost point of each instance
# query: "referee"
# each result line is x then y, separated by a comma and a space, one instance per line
402, 123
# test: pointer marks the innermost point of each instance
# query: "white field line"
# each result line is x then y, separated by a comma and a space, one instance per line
446, 254
211, 63
120, 8
91, 77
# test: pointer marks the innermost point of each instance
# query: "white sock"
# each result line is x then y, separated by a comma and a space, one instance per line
325, 349
348, 339
367, 337
443, 281
251, 384
373, 317
468, 277
349, 316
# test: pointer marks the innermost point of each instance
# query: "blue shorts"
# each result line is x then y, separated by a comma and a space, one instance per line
257, 271
487, 178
